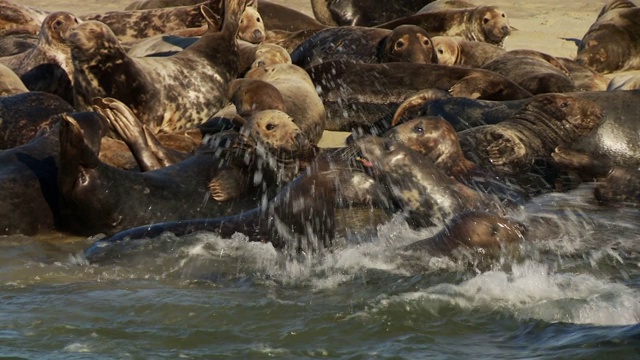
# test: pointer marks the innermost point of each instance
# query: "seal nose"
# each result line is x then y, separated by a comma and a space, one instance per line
258, 35
301, 141
506, 30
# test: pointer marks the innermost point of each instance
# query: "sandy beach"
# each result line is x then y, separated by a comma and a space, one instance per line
542, 25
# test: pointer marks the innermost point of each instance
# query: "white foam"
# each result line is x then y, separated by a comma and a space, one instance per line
531, 291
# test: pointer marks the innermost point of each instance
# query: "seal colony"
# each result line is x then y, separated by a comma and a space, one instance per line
449, 127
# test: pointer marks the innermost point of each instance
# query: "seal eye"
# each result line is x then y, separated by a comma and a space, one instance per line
270, 127
440, 51
399, 44
564, 104
503, 15
258, 20
57, 23
419, 129
485, 20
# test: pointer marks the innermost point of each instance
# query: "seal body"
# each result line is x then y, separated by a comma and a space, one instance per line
166, 94
24, 116
542, 124
18, 18
482, 23
363, 12
372, 92
299, 93
455, 50
612, 43
406, 43
10, 83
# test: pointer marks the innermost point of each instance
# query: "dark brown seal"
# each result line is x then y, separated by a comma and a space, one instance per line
363, 12
28, 178
544, 123
482, 23
611, 42
472, 229
374, 91
406, 43
165, 93
537, 72
614, 184
25, 116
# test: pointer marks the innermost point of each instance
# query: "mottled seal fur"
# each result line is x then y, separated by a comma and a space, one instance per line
482, 23
18, 18
611, 43
544, 123
373, 91
363, 12
165, 93
406, 43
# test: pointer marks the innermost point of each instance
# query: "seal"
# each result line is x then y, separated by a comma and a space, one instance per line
27, 115
610, 43
18, 18
134, 25
472, 229
157, 89
394, 82
47, 66
584, 78
439, 5
454, 50
281, 17
481, 23
28, 178
17, 43
406, 43
542, 124
300, 97
423, 191
244, 167
10, 83
614, 184
624, 82
537, 72
363, 12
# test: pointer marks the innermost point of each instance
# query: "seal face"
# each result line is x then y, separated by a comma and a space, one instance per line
454, 50
611, 42
166, 94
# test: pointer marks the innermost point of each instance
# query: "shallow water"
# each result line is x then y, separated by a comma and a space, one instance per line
572, 293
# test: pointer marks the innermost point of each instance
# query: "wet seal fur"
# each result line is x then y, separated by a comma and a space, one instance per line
611, 43
245, 166
363, 12
406, 43
166, 94
472, 229
373, 91
482, 23
545, 122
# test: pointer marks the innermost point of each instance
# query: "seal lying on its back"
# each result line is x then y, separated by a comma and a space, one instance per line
611, 43
406, 43
166, 94
482, 23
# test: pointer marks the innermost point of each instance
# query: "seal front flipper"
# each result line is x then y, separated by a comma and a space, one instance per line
228, 184
149, 153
